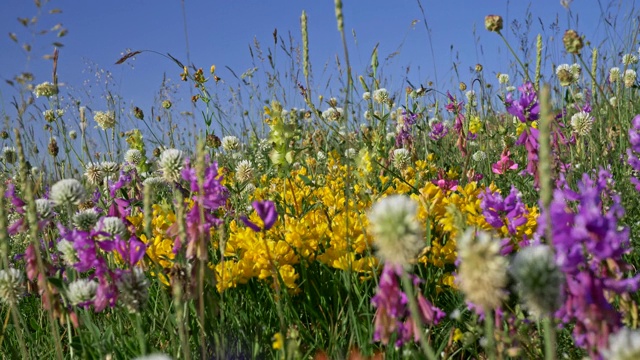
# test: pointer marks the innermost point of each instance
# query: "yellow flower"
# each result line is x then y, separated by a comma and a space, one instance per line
475, 126
278, 341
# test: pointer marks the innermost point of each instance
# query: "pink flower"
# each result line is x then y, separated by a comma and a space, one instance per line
504, 164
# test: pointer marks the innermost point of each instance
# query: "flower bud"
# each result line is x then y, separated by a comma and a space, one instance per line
572, 42
493, 23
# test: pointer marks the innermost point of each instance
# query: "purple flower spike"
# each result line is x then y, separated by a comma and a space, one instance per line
266, 210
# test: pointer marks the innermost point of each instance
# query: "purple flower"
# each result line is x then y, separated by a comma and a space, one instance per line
438, 131
266, 210
392, 313
132, 251
634, 151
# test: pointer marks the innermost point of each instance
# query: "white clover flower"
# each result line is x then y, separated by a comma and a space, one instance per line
623, 345
629, 78
350, 153
539, 279
133, 156
479, 156
482, 273
230, 143
69, 256
94, 174
156, 356
134, 289
613, 101
366, 96
171, 163
156, 184
44, 208
503, 78
471, 96
578, 96
11, 285
565, 75
67, 192
113, 226
581, 123
110, 168
81, 291
105, 119
45, 89
396, 232
510, 88
333, 114
85, 219
614, 74
576, 70
265, 145
321, 157
391, 136
381, 96
367, 115
244, 171
629, 59
401, 158
9, 154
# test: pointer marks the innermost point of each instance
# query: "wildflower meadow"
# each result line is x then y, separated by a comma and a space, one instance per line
496, 217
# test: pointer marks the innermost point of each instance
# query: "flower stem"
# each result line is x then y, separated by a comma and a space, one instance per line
525, 70
415, 315
549, 339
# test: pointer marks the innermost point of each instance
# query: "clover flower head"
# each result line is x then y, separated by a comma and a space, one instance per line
623, 345
539, 279
134, 289
81, 291
67, 192
69, 255
133, 156
11, 285
333, 114
401, 158
396, 231
44, 208
381, 96
9, 154
105, 119
614, 74
230, 143
503, 78
629, 78
110, 168
112, 225
479, 156
482, 274
171, 163
366, 96
581, 123
45, 89
244, 171
629, 59
85, 219
350, 153
94, 173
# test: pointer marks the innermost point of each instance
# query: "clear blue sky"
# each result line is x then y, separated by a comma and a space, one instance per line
221, 32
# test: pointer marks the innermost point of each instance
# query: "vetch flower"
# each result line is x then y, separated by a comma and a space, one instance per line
396, 232
267, 212
67, 192
539, 280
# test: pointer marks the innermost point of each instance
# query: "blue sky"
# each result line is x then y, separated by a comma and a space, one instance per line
221, 33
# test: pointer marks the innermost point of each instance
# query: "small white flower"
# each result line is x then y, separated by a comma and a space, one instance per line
321, 157
94, 174
350, 153
134, 289
67, 192
366, 96
11, 285
81, 291
395, 229
45, 89
244, 171
629, 59
614, 74
133, 156
171, 163
503, 78
479, 156
110, 168
44, 208
85, 219
113, 226
510, 88
581, 123
401, 158
623, 345
105, 119
629, 78
67, 251
576, 70
381, 96
613, 101
333, 114
230, 143
9, 154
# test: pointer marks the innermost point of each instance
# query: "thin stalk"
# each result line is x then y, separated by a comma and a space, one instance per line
525, 70
415, 315
549, 338
489, 335
140, 334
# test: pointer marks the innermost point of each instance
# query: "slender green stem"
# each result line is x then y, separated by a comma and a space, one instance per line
415, 315
525, 70
489, 335
549, 338
140, 334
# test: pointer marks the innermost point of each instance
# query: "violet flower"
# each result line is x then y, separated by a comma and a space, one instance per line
527, 110
634, 151
266, 210
438, 131
392, 312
